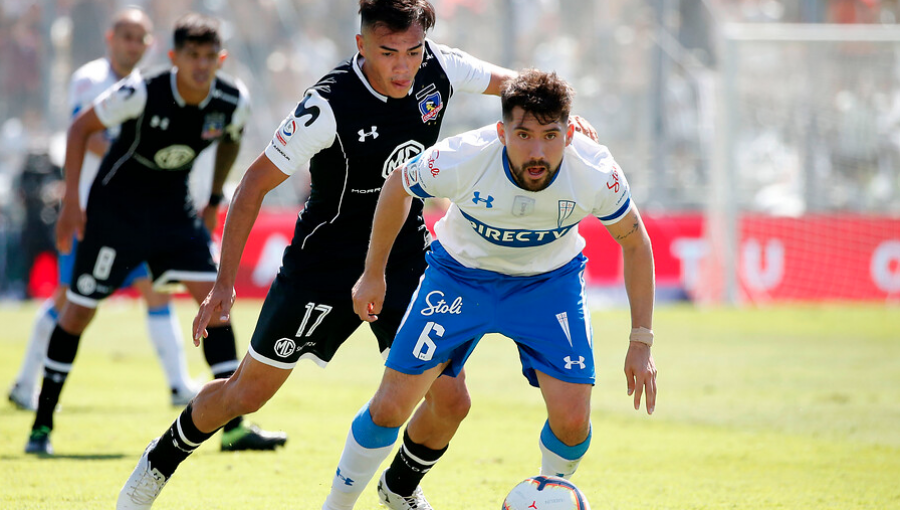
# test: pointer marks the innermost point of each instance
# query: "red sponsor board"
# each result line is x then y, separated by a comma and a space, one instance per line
815, 258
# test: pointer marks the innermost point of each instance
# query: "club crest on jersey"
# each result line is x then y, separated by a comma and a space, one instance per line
213, 126
566, 208
430, 104
286, 132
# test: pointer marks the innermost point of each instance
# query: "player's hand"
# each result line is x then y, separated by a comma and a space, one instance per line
217, 305
368, 296
70, 222
585, 127
640, 372
210, 215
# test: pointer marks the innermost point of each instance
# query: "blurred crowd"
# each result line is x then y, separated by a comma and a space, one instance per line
645, 72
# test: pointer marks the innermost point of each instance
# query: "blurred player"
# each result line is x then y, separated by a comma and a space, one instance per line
140, 209
507, 260
358, 123
126, 40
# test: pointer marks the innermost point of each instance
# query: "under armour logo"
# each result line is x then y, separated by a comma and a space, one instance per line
347, 481
488, 202
570, 362
373, 133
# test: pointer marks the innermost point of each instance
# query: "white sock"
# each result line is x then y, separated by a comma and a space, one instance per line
358, 464
36, 351
165, 333
557, 459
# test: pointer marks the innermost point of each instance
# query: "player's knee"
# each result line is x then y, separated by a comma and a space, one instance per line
387, 413
452, 406
571, 426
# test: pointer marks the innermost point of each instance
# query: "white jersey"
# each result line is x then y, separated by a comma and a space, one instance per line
494, 224
88, 82
293, 148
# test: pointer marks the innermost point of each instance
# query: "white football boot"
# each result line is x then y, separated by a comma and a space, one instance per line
143, 486
397, 502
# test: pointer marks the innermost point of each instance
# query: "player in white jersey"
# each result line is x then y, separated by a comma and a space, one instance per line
507, 260
127, 39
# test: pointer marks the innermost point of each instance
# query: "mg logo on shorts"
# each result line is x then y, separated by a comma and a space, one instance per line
403, 152
285, 347
570, 362
86, 284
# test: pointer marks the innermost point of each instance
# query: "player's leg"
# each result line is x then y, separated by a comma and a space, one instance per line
102, 261
23, 392
374, 431
427, 436
25, 388
566, 435
220, 351
217, 403
61, 351
165, 334
556, 349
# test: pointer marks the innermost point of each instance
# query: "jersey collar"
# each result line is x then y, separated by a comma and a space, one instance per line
357, 67
180, 100
509, 175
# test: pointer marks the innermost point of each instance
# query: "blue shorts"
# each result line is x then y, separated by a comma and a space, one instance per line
66, 263
546, 315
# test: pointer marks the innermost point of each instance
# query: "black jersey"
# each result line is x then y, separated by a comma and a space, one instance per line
146, 168
353, 138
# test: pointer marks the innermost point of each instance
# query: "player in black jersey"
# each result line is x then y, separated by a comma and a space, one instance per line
140, 209
354, 126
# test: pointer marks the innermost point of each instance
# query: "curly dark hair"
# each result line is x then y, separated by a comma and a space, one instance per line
396, 15
545, 95
196, 28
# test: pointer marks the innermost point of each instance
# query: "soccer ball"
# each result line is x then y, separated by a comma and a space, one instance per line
545, 493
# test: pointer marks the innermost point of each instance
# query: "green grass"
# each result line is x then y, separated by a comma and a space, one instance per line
793, 407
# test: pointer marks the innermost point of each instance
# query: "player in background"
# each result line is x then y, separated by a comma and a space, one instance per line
126, 40
140, 209
508, 244
364, 118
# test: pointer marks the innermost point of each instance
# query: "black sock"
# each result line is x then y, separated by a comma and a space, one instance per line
60, 354
220, 351
177, 443
410, 465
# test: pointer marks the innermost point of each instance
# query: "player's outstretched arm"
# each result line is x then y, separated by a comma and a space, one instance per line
640, 370
260, 178
390, 213
71, 216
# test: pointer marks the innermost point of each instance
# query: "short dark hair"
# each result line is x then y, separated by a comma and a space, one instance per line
545, 95
396, 15
196, 28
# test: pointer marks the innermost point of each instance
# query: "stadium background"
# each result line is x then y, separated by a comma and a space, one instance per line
760, 137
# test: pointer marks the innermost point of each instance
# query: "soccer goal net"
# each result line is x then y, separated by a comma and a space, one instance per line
804, 196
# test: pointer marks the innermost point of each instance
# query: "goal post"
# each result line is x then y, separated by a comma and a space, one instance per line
804, 185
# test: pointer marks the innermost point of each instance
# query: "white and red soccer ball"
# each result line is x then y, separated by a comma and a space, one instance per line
545, 493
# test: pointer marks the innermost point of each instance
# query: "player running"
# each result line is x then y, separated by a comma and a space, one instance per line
507, 260
359, 122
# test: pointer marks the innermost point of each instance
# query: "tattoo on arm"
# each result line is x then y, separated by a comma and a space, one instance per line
633, 230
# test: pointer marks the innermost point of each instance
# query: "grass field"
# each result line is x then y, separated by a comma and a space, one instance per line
781, 408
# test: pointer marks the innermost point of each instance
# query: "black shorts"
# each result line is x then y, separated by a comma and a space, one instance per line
302, 321
114, 244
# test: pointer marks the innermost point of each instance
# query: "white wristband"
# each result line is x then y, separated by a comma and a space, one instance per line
642, 335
